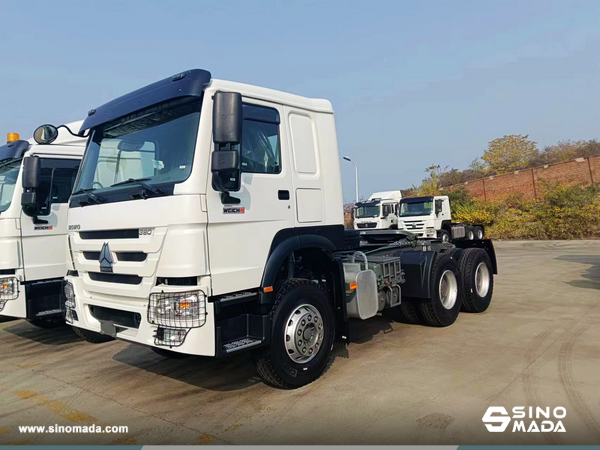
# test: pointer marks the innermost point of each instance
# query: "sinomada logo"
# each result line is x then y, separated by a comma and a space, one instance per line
524, 419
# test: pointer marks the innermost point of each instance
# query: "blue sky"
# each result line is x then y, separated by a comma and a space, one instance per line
412, 83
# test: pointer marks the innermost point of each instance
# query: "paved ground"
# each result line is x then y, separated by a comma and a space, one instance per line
538, 344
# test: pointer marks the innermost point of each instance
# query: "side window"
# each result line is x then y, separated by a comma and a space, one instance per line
260, 148
387, 210
57, 178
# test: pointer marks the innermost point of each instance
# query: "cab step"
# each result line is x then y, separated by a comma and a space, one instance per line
241, 344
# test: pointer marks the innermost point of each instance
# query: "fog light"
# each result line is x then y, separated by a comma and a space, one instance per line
177, 309
9, 290
172, 337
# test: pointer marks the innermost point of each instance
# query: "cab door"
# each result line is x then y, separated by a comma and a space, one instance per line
43, 243
241, 235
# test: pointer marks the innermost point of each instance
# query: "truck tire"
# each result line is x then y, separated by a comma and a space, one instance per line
351, 239
47, 323
441, 310
405, 312
470, 234
92, 336
302, 336
478, 233
444, 236
477, 280
169, 353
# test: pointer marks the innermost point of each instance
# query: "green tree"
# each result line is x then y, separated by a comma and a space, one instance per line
508, 153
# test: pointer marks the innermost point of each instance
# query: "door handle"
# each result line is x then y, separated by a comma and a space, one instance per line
283, 195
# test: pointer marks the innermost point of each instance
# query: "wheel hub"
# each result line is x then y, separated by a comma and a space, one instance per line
482, 280
448, 289
304, 334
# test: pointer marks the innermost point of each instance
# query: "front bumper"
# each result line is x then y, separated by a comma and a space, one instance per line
198, 341
16, 307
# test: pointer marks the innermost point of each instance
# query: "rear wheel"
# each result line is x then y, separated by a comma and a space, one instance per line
443, 307
478, 233
351, 239
444, 236
47, 323
478, 280
92, 336
470, 234
302, 336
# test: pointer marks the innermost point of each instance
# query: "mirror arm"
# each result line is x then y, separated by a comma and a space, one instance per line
74, 134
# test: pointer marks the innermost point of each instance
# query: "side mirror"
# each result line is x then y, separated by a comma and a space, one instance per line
45, 134
227, 118
227, 132
31, 172
225, 161
31, 181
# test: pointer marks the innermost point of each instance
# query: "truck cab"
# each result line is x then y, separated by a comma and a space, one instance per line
207, 219
380, 211
33, 224
424, 216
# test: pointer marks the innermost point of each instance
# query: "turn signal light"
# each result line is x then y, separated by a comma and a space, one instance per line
12, 137
352, 286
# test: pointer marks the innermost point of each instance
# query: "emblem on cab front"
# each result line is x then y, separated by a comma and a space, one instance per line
106, 259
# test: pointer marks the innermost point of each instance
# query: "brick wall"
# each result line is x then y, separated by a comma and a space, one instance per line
530, 182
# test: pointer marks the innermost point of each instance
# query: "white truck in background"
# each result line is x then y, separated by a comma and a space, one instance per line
223, 232
33, 224
378, 212
430, 217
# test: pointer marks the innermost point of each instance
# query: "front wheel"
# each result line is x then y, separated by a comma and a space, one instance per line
302, 336
92, 336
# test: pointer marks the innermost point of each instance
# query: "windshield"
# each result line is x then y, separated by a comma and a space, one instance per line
416, 209
366, 211
155, 145
9, 171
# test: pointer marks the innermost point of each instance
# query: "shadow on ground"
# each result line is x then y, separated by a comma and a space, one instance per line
53, 336
236, 372
591, 275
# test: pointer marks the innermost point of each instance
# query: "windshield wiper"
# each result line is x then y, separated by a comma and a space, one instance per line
141, 182
90, 195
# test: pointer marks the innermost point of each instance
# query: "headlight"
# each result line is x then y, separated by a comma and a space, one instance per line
177, 309
430, 230
9, 289
400, 225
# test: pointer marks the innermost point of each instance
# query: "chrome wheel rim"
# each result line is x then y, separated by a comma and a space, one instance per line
479, 234
448, 289
445, 237
471, 236
482, 279
304, 333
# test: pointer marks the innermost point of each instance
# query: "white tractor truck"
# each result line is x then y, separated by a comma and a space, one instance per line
430, 217
207, 219
36, 182
379, 212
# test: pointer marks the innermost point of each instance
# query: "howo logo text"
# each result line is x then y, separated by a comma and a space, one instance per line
497, 419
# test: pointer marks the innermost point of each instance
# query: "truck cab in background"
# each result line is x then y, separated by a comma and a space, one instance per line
36, 182
430, 217
379, 212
